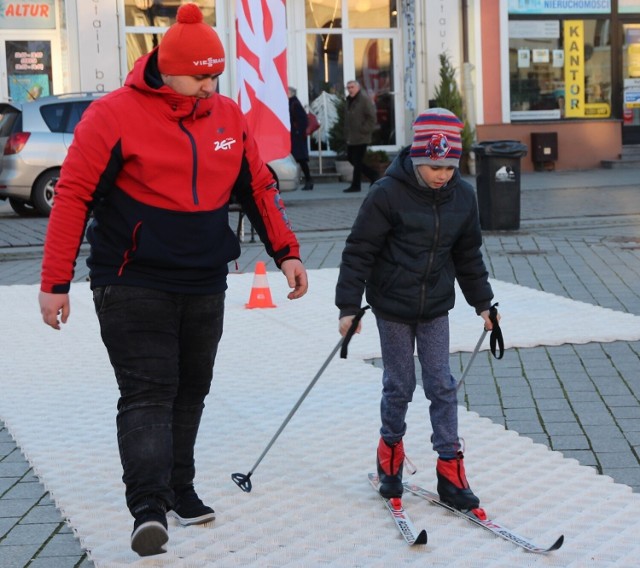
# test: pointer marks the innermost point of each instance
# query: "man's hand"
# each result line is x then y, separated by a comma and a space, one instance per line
296, 275
52, 305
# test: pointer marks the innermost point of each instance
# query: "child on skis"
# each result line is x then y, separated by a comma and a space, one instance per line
418, 231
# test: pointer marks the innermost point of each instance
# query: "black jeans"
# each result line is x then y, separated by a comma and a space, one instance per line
355, 155
162, 347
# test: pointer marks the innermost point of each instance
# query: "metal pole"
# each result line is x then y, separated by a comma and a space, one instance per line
473, 356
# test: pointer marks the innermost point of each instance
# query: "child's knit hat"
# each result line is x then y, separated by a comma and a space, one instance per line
437, 138
190, 47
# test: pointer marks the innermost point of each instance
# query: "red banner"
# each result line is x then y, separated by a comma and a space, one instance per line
261, 34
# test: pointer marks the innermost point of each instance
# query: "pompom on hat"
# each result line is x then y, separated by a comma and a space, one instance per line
437, 138
190, 47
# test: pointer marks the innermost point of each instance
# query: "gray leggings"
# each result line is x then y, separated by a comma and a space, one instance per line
398, 341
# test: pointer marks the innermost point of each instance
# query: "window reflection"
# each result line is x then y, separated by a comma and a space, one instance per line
139, 44
324, 64
374, 71
158, 14
162, 13
372, 14
323, 13
378, 14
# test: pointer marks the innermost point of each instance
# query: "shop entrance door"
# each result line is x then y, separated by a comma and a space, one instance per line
630, 83
375, 68
371, 59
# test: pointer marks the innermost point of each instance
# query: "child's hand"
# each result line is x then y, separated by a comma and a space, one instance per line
488, 324
345, 324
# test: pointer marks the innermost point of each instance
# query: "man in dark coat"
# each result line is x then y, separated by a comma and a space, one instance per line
299, 149
359, 123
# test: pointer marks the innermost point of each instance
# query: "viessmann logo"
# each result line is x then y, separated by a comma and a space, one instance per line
223, 144
209, 62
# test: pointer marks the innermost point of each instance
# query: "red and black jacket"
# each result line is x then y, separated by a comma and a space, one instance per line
157, 170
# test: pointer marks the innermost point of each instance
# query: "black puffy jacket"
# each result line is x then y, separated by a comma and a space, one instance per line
408, 245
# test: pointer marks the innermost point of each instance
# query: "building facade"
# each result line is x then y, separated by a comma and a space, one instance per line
566, 68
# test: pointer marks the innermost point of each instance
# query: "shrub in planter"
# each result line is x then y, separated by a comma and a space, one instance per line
337, 142
448, 96
344, 168
336, 132
378, 159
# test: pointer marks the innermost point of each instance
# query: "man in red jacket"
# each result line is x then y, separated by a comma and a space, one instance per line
156, 162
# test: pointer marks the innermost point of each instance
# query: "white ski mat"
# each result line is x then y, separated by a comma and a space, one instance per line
311, 503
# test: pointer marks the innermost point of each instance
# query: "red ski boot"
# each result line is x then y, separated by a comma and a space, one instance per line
389, 461
453, 486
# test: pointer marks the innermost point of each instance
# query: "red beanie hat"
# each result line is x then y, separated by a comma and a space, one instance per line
190, 47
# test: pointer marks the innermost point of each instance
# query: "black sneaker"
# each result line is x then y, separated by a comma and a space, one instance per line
149, 530
188, 509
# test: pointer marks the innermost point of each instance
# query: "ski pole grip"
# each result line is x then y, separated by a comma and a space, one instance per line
351, 331
496, 339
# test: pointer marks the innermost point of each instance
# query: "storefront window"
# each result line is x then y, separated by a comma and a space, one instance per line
162, 13
371, 14
152, 17
629, 6
324, 64
29, 69
338, 49
323, 14
560, 69
374, 71
631, 74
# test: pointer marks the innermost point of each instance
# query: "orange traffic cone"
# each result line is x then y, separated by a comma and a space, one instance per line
260, 293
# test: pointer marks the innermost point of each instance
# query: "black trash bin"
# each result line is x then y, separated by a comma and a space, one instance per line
498, 183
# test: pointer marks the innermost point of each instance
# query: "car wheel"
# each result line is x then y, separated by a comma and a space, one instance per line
43, 190
23, 208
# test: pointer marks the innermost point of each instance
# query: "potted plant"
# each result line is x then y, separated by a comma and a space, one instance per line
378, 159
448, 96
338, 143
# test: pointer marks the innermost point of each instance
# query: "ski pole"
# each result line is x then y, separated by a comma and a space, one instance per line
244, 481
473, 356
496, 337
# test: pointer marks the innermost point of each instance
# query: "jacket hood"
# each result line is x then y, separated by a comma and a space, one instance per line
145, 77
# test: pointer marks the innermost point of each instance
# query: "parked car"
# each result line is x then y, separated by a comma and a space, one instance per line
36, 136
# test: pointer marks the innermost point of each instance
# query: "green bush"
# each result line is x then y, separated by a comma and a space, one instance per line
336, 132
448, 96
376, 157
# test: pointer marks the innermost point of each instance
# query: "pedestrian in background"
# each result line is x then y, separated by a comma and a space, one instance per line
299, 148
417, 232
359, 123
155, 163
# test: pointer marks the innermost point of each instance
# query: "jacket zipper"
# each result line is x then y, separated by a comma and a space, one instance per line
436, 239
194, 153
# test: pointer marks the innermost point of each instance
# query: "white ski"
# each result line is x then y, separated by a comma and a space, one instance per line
400, 516
478, 517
